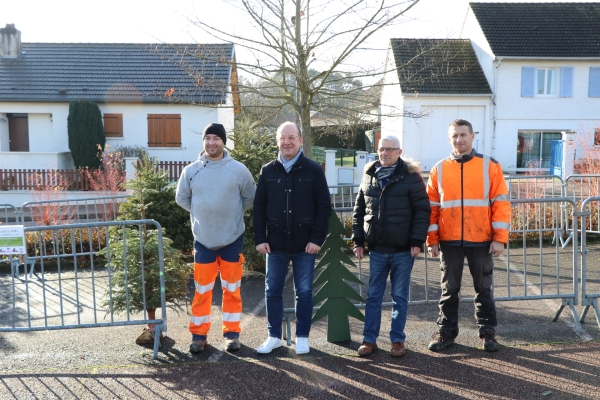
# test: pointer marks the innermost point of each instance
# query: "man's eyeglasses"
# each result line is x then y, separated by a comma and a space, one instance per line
387, 149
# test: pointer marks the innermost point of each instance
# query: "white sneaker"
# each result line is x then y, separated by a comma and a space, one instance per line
269, 344
302, 345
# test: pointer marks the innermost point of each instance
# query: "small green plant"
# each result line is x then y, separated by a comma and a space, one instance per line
253, 148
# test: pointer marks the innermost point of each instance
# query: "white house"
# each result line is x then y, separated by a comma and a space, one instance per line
541, 62
156, 96
432, 82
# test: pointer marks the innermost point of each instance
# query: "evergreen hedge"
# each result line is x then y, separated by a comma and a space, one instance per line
86, 134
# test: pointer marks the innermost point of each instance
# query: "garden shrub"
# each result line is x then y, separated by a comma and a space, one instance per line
153, 197
86, 134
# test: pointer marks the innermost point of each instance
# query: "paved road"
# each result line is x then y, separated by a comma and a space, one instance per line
539, 359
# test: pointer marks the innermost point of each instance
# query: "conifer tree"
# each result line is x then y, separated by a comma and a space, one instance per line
86, 134
335, 291
128, 291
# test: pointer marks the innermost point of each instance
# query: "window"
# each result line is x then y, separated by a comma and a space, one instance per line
548, 82
113, 125
533, 148
594, 87
164, 130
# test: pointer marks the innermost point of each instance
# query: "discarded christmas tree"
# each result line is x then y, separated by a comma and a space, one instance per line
335, 291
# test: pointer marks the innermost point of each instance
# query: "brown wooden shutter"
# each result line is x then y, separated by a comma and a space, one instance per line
113, 125
155, 122
173, 130
164, 130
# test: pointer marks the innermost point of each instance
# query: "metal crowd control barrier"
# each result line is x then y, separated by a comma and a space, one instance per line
74, 286
70, 211
536, 266
8, 214
545, 271
534, 186
588, 299
579, 188
541, 186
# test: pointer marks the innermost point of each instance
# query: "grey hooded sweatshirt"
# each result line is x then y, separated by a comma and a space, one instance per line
216, 193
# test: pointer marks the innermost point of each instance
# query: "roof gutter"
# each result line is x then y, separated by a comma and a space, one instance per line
547, 58
408, 95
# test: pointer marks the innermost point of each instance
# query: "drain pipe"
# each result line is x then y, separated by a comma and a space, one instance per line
494, 91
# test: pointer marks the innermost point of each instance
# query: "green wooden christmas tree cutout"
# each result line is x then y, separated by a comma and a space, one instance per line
335, 291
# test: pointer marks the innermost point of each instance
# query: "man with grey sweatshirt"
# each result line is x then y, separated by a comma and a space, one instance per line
216, 190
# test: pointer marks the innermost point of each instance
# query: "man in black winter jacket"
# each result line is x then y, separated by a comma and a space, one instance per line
291, 216
391, 214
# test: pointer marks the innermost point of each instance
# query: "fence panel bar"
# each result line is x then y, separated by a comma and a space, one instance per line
69, 289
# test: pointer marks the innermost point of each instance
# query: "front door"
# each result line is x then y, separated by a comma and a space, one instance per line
18, 132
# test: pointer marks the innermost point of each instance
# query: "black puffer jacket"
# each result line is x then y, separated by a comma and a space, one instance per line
393, 219
291, 209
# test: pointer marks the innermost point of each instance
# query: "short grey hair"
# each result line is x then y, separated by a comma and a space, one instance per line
391, 138
287, 123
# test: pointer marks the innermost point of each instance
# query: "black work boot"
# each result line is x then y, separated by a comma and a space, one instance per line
489, 341
440, 342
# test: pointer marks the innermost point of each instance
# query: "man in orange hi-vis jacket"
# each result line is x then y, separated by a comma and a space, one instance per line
470, 217
216, 190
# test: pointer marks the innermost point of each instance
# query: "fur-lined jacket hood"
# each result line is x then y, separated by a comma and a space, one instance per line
407, 165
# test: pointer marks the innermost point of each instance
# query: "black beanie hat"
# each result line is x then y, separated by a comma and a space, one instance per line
215, 129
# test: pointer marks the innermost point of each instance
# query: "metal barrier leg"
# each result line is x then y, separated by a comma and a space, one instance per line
14, 267
566, 242
569, 302
158, 328
31, 264
284, 323
287, 328
595, 305
584, 313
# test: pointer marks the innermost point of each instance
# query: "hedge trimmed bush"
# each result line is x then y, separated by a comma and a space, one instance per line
86, 134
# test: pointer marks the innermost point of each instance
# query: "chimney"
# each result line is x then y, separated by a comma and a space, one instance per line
10, 42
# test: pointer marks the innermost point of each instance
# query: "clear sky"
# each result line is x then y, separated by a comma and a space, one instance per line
154, 21
147, 21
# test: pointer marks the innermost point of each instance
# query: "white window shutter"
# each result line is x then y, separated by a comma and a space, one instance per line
566, 82
594, 88
528, 82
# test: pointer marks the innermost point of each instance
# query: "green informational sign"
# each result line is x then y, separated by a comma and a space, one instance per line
12, 239
335, 293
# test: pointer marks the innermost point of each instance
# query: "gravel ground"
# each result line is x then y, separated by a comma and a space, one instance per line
539, 359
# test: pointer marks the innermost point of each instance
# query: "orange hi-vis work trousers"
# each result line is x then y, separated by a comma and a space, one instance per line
204, 280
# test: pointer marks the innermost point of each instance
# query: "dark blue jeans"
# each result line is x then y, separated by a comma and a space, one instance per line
398, 266
230, 253
303, 267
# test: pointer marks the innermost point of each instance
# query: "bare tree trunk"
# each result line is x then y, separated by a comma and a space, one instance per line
303, 86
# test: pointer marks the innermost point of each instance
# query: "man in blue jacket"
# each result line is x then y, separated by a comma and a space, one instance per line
291, 215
